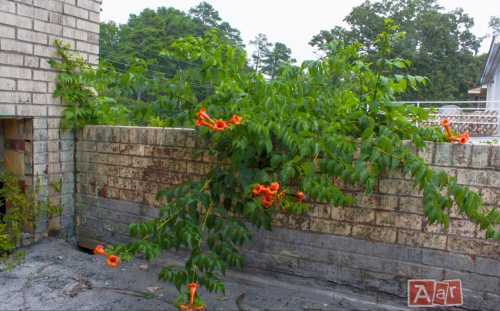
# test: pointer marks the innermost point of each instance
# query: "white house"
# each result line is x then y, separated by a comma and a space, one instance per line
491, 74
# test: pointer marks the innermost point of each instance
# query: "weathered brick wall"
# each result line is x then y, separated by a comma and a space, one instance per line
28, 29
376, 245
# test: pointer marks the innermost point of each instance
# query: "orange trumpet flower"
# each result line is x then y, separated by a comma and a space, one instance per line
300, 196
464, 138
192, 287
99, 250
113, 261
235, 119
275, 186
219, 125
445, 123
202, 114
267, 201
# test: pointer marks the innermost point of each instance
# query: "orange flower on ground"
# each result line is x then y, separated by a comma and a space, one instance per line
192, 287
219, 125
202, 114
99, 250
235, 119
192, 292
267, 201
113, 261
274, 186
300, 196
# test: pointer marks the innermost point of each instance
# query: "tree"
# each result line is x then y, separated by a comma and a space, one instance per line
109, 39
209, 17
206, 14
495, 23
262, 46
276, 58
439, 43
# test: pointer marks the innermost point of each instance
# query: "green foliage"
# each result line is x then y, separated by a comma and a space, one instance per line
23, 209
440, 44
10, 261
329, 120
103, 95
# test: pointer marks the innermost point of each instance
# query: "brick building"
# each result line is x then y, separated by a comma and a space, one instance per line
32, 145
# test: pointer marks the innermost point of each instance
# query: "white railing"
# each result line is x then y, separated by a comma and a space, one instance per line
479, 120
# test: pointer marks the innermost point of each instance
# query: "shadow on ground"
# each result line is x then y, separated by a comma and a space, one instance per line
56, 276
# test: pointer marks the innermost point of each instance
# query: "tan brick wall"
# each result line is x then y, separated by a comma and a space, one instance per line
132, 164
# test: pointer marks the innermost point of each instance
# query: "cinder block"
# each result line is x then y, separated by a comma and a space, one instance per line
7, 32
87, 25
16, 20
50, 28
32, 86
10, 45
91, 5
7, 6
442, 154
7, 84
76, 11
11, 59
87, 47
31, 110
75, 34
15, 97
31, 36
15, 72
51, 5
7, 110
31, 61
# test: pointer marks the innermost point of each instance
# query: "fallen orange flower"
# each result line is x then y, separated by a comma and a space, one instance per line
192, 291
192, 287
300, 196
99, 250
235, 119
219, 125
113, 261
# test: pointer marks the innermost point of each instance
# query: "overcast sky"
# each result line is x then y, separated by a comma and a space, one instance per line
292, 22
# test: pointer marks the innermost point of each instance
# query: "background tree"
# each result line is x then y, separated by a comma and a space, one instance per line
276, 58
146, 35
137, 71
206, 14
262, 48
495, 23
439, 43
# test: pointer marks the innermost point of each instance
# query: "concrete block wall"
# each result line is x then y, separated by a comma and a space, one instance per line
376, 245
28, 29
